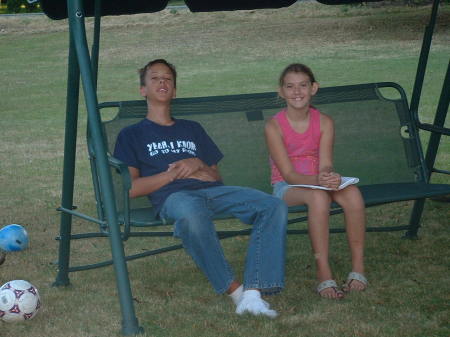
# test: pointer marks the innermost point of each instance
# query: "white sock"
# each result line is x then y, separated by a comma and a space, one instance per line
236, 295
252, 303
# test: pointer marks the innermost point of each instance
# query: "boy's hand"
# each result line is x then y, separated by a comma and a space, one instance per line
186, 167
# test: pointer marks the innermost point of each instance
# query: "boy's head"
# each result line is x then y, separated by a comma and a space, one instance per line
143, 71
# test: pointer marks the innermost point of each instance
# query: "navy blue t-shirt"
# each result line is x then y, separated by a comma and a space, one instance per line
151, 147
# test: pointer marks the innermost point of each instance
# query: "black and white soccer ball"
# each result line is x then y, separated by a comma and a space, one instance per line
19, 301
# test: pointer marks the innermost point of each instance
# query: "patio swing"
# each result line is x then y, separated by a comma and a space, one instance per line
117, 215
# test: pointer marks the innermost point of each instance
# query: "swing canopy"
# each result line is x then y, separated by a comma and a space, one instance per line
57, 9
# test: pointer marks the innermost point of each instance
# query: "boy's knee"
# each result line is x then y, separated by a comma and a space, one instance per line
193, 225
269, 202
278, 208
279, 205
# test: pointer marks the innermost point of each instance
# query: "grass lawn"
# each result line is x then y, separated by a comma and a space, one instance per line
215, 54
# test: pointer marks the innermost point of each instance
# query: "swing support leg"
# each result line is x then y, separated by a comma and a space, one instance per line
73, 88
433, 145
432, 149
80, 63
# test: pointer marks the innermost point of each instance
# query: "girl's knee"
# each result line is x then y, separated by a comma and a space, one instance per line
352, 193
352, 205
350, 197
319, 198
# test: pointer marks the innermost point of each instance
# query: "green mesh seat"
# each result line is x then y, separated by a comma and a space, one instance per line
376, 141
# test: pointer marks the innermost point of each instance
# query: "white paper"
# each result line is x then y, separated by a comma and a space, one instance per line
345, 181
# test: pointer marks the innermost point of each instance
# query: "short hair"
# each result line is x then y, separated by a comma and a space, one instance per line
143, 71
296, 68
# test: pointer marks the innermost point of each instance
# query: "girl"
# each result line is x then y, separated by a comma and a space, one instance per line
300, 141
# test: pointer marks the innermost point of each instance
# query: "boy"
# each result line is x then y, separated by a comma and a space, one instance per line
174, 162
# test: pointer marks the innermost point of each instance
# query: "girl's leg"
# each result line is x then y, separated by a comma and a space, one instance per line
318, 202
352, 202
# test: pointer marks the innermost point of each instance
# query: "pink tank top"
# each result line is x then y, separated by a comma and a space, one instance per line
302, 148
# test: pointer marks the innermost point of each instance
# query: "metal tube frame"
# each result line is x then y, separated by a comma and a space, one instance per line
436, 128
70, 143
81, 63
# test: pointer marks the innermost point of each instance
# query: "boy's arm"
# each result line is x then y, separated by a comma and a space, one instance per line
141, 186
196, 169
186, 168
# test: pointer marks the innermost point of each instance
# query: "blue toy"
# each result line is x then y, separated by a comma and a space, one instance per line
13, 238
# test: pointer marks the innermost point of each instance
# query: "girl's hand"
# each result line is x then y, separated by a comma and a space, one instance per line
330, 180
335, 180
324, 178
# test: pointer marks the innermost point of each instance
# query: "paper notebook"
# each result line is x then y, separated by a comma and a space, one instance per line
345, 181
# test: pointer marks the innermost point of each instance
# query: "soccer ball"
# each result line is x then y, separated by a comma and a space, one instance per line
19, 301
13, 238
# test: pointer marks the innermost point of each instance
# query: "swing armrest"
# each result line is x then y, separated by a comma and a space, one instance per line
433, 128
122, 169
441, 130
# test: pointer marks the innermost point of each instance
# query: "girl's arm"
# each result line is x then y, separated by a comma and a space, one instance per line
327, 176
280, 157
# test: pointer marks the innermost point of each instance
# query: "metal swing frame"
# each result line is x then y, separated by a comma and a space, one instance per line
84, 64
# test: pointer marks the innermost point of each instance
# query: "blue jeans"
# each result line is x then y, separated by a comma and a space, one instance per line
280, 188
192, 213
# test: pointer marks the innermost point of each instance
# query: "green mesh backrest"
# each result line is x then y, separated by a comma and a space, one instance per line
371, 140
370, 143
